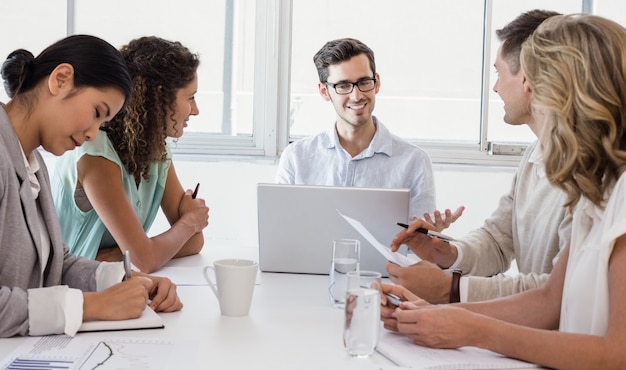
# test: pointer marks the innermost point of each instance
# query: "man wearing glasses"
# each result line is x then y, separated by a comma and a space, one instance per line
358, 150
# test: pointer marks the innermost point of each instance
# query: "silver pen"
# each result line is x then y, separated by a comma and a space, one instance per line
127, 272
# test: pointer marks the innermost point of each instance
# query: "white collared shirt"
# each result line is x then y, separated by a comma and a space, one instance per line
388, 162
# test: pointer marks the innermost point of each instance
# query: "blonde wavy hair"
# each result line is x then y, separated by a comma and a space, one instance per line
158, 68
576, 68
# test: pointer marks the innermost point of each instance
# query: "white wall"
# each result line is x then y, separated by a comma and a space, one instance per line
229, 188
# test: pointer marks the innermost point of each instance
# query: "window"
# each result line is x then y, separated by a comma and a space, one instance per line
502, 12
428, 55
257, 81
430, 59
221, 32
23, 20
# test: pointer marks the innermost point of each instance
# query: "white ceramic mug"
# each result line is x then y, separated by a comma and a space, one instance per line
235, 279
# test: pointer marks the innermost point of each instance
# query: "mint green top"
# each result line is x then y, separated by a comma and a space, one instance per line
83, 231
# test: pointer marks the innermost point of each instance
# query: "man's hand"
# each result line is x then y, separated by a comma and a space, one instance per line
444, 221
424, 279
424, 246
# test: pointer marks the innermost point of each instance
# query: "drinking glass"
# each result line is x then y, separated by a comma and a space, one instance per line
345, 258
362, 313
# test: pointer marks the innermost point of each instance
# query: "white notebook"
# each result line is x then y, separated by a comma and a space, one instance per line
403, 352
148, 320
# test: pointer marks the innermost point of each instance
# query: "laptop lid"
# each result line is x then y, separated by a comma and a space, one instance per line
297, 224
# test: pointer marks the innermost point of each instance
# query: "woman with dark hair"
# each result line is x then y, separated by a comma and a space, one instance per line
58, 100
109, 191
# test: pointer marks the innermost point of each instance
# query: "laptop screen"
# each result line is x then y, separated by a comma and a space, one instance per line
297, 224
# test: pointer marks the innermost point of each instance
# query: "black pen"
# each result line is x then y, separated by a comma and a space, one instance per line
195, 192
430, 233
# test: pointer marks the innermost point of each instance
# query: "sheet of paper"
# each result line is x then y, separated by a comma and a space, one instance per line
183, 275
403, 352
397, 258
188, 275
89, 352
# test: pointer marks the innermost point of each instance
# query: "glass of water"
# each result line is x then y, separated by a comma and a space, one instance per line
362, 313
345, 258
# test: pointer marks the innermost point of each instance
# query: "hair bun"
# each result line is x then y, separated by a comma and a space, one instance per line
16, 69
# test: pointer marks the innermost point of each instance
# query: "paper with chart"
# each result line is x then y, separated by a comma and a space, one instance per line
91, 352
397, 258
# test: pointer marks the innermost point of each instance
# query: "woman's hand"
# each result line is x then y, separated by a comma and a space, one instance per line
442, 326
163, 295
408, 300
122, 301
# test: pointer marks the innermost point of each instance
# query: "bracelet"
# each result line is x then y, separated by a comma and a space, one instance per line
455, 290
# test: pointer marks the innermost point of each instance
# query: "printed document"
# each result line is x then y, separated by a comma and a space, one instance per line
395, 257
91, 352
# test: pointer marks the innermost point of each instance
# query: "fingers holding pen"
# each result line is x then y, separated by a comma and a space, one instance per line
122, 301
193, 210
409, 236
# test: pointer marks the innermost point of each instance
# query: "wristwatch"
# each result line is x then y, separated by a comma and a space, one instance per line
455, 290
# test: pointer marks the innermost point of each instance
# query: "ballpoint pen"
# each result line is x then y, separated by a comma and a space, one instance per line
195, 192
393, 299
430, 233
127, 272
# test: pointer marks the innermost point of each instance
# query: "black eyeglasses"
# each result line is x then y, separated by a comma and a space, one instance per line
345, 88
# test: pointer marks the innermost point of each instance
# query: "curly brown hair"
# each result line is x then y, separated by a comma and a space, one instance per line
158, 68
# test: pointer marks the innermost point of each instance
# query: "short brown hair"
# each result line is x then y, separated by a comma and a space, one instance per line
340, 50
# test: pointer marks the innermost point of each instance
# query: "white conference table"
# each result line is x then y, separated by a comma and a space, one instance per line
291, 324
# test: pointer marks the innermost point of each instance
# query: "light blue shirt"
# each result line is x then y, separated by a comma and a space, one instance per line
84, 232
388, 162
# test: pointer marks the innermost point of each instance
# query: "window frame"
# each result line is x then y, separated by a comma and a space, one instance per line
271, 101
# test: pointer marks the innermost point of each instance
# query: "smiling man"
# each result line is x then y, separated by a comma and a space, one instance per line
358, 150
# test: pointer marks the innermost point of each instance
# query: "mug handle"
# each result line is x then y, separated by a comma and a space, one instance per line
208, 279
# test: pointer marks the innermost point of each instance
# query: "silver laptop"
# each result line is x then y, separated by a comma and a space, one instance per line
297, 224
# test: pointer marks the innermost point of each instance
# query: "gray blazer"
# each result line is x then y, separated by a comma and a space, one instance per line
21, 267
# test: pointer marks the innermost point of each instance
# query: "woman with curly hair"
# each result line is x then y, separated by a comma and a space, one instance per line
107, 193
